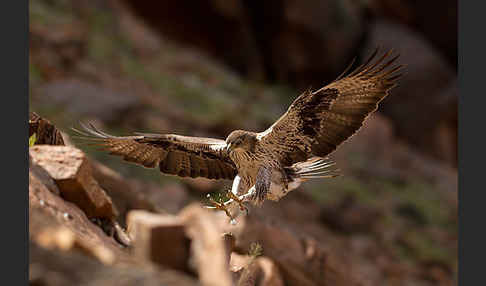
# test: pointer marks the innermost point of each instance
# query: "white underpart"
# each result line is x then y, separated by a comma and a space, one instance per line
276, 192
236, 185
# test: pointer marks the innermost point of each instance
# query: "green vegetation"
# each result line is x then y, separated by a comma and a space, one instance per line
32, 140
425, 210
256, 249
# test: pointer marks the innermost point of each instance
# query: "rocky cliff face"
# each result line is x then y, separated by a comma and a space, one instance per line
89, 225
94, 220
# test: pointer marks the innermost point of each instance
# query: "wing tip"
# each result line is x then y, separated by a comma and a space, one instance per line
372, 68
88, 131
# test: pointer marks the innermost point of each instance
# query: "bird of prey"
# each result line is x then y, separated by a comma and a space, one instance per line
268, 164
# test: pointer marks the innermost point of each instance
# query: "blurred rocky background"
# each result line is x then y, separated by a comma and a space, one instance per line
205, 68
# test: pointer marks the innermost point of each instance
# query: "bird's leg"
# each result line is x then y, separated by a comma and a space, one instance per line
285, 179
233, 195
238, 199
220, 206
235, 188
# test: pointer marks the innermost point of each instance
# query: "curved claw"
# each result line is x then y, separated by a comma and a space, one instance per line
239, 200
219, 206
224, 205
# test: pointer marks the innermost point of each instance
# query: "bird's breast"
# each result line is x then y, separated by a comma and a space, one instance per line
277, 187
278, 190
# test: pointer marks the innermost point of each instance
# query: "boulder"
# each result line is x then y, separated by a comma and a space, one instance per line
58, 224
52, 267
159, 238
208, 249
302, 260
126, 194
251, 270
69, 168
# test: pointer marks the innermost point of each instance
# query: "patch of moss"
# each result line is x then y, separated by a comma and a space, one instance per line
423, 197
427, 249
200, 100
418, 247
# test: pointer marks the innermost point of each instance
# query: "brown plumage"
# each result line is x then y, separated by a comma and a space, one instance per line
269, 164
178, 155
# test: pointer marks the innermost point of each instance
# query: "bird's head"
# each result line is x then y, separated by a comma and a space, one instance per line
241, 140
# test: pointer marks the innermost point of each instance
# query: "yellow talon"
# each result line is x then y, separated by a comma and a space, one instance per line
220, 206
238, 200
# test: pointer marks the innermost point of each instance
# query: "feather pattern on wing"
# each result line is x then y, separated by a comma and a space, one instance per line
183, 156
318, 121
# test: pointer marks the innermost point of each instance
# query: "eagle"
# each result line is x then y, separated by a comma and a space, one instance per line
267, 165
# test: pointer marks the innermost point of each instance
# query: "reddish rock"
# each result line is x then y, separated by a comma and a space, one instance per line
71, 171
301, 260
54, 222
126, 194
43, 176
238, 262
64, 239
159, 238
53, 267
208, 251
270, 272
260, 271
229, 245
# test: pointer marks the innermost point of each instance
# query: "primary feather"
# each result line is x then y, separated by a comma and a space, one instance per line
318, 121
183, 156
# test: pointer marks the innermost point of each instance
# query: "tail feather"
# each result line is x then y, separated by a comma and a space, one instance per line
314, 168
319, 167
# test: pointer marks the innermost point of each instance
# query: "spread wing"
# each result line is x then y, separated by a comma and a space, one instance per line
317, 122
183, 156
